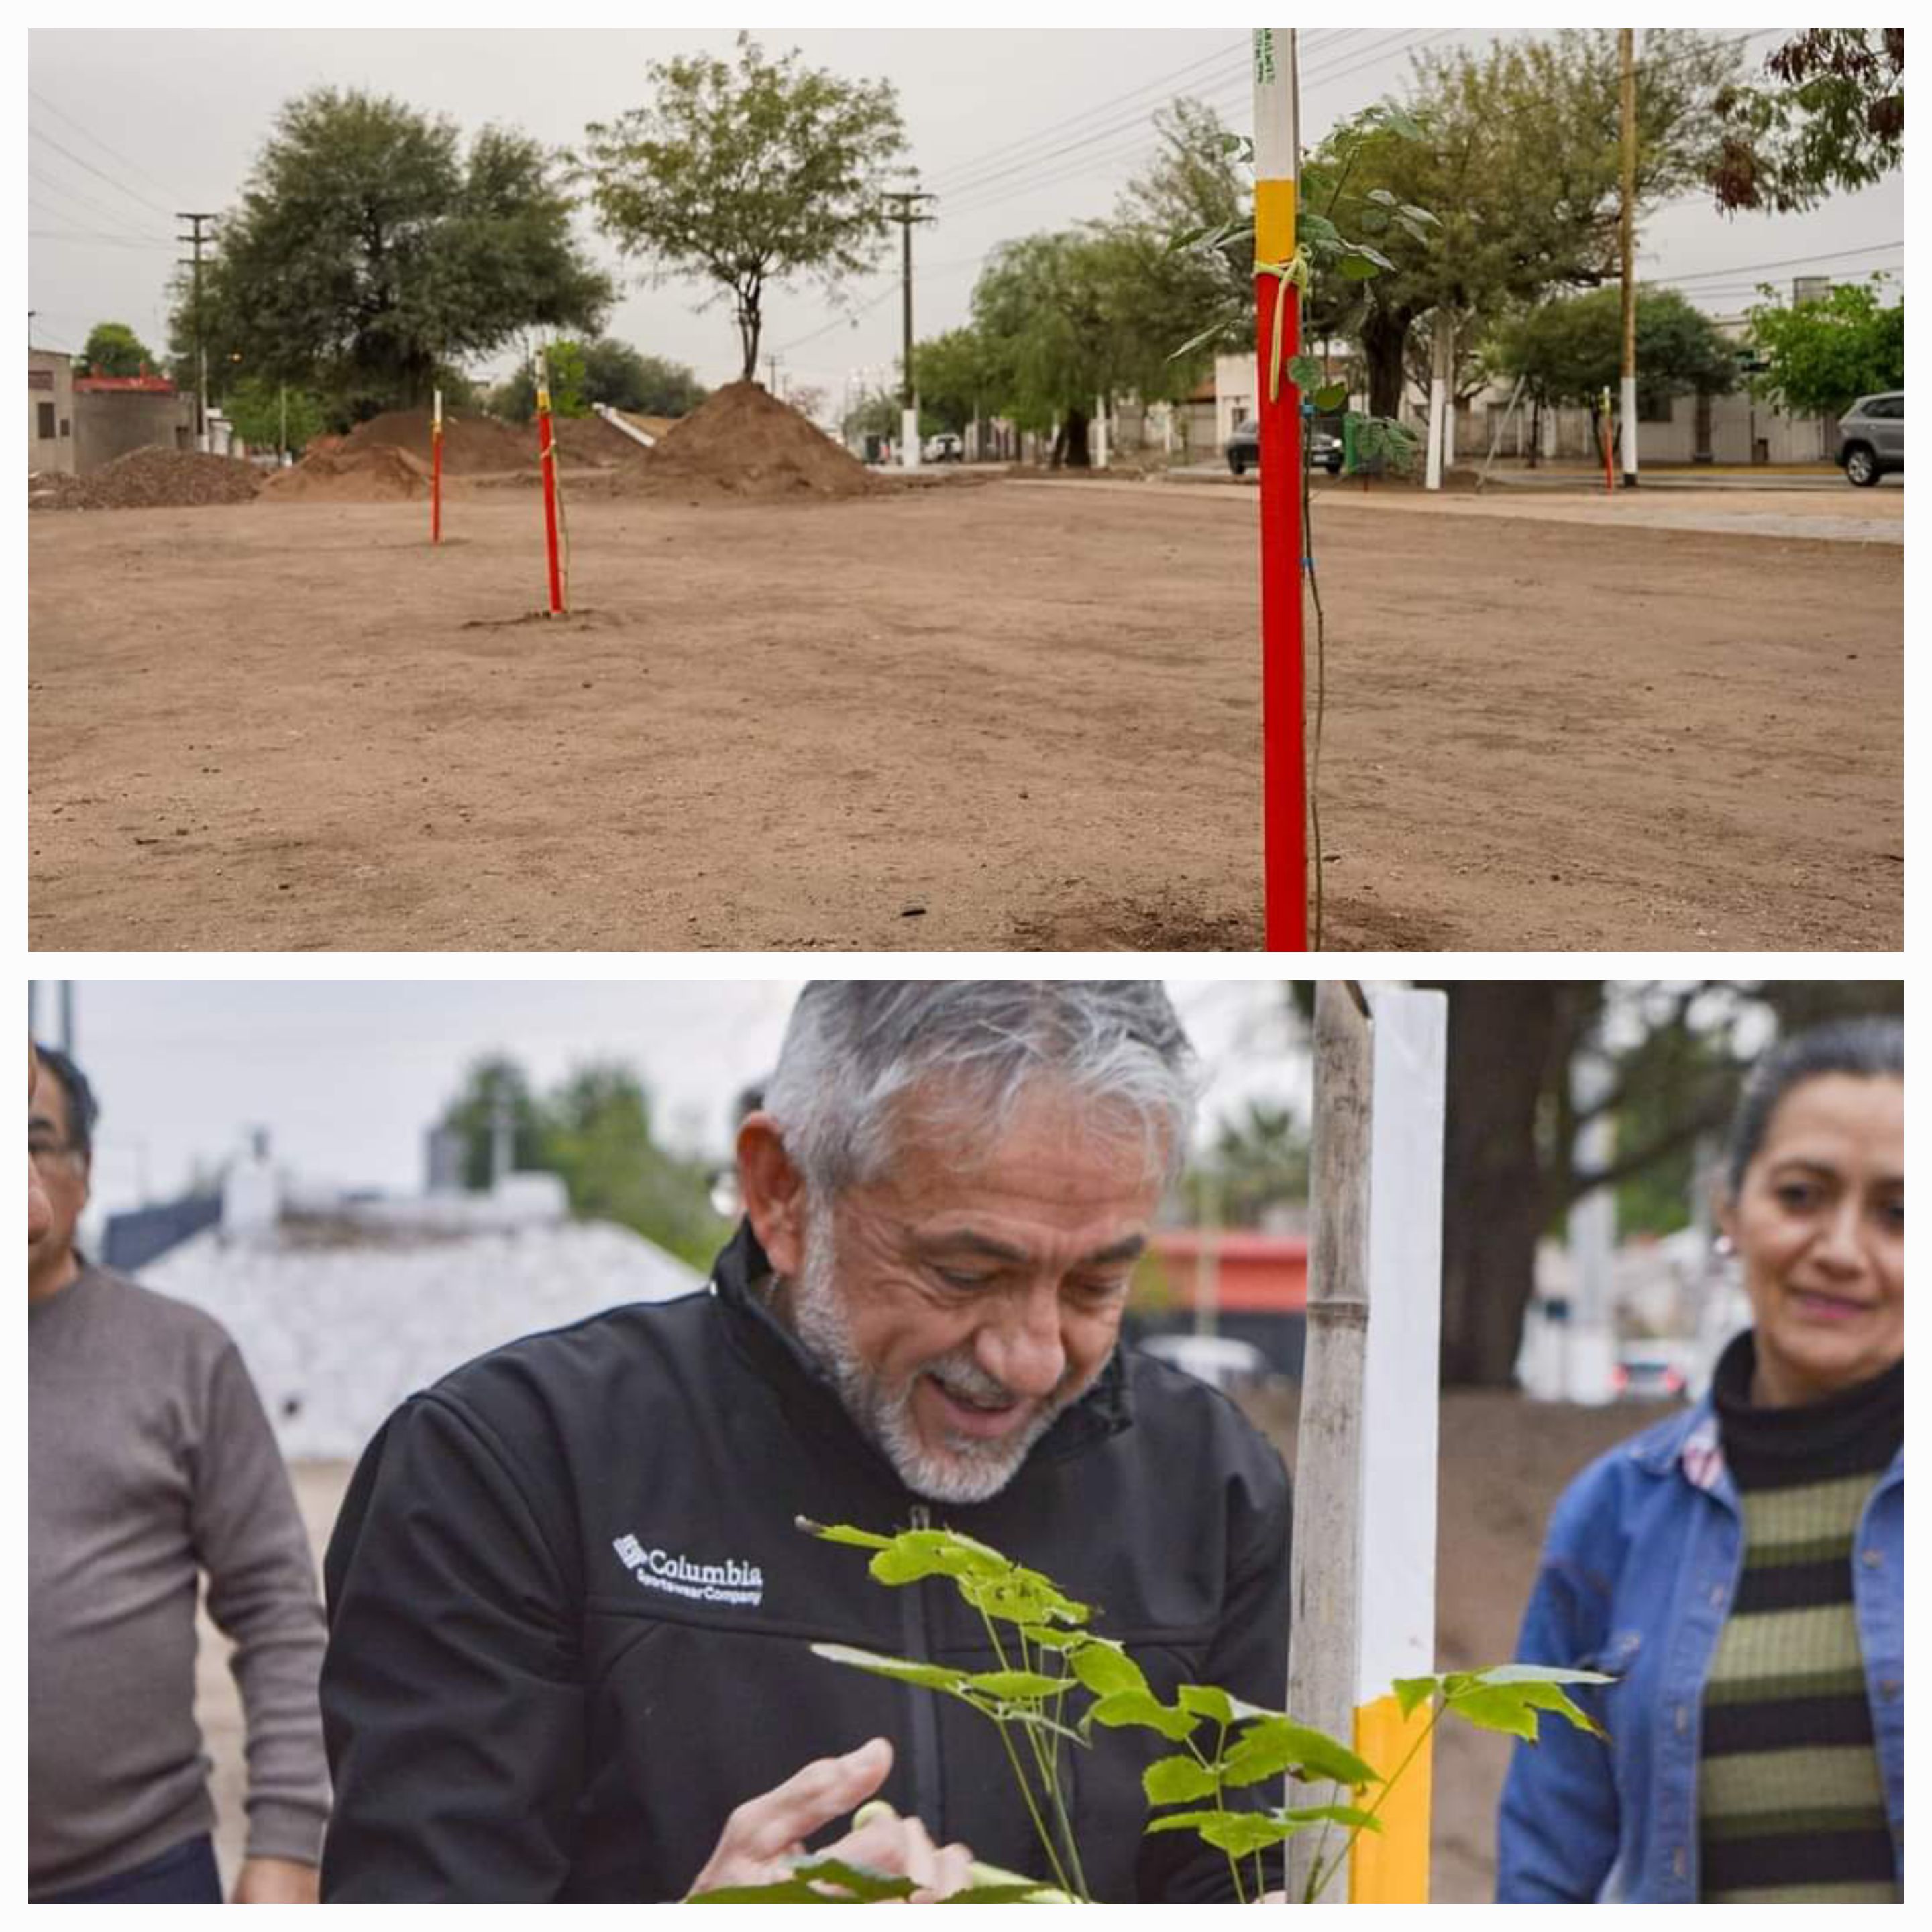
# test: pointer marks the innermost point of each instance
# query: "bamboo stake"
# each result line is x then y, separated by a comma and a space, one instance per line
1325, 1560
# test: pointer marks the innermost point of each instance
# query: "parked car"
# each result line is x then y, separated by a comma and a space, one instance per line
1871, 438
945, 448
1219, 1360
1244, 447
1657, 1373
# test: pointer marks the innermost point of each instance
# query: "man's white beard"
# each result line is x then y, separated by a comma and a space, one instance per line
968, 1469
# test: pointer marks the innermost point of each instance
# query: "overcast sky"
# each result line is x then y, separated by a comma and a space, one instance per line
347, 1077
1018, 131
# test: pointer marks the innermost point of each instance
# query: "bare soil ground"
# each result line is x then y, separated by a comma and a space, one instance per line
1503, 1462
1010, 717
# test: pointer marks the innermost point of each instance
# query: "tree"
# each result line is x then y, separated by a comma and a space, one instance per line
1823, 355
564, 364
1835, 120
259, 410
1518, 157
367, 251
621, 378
1570, 351
1677, 1051
745, 174
113, 348
596, 1130
1259, 1164
955, 380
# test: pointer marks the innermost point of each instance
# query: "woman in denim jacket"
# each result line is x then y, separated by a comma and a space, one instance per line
1739, 1569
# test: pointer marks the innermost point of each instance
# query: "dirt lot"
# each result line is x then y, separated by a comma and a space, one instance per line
1011, 716
1504, 1461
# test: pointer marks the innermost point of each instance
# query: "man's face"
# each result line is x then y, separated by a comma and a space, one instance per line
62, 1173
962, 1300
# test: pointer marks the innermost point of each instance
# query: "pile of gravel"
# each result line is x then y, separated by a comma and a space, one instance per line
148, 479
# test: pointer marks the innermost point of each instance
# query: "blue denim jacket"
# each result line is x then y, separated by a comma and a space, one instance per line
1643, 1556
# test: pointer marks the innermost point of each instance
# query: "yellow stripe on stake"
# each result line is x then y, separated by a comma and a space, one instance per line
1390, 1866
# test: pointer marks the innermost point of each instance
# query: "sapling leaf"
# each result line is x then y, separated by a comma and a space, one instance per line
1239, 1834
1206, 1700
818, 1881
1398, 122
1382, 198
1421, 214
1374, 221
1122, 1709
1512, 1708
1177, 1780
1299, 1817
1048, 1638
1275, 1745
1317, 230
915, 1554
1356, 267
840, 1532
1533, 1673
1305, 372
1007, 1895
780, 1891
1331, 396
1035, 1719
901, 1670
1216, 332
1009, 1686
1411, 1691
1104, 1667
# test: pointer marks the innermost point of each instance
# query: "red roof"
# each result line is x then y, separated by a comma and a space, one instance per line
147, 386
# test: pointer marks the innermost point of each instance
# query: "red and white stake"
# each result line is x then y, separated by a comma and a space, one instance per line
546, 450
1278, 317
436, 473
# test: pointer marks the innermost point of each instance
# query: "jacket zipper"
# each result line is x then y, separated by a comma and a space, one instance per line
927, 1796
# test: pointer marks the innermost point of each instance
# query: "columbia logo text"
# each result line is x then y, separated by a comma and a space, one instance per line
727, 1582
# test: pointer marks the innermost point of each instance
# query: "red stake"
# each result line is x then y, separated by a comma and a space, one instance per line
1278, 308
546, 450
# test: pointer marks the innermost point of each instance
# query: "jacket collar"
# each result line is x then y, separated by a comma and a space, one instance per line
740, 1278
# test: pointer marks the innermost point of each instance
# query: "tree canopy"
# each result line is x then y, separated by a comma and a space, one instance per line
744, 174
1823, 355
368, 250
595, 1129
113, 348
1570, 350
1832, 117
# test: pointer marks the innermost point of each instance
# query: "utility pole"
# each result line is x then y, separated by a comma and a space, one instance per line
1626, 51
772, 373
902, 211
200, 337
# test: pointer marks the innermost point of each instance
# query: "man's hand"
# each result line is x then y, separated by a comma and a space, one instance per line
277, 1881
765, 1835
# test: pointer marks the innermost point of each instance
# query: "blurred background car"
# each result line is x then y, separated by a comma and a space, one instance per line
1871, 438
944, 448
1243, 448
1219, 1360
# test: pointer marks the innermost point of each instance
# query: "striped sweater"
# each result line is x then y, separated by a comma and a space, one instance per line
1790, 1801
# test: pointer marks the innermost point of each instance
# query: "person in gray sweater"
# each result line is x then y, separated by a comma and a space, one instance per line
150, 1463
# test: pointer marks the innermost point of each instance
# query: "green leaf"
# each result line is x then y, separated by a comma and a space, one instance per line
1036, 1719
1015, 1686
1382, 198
822, 1881
1177, 1780
1397, 121
1534, 1673
1021, 1894
1275, 1745
865, 1883
1305, 372
1299, 1817
1358, 267
1373, 220
780, 1891
917, 1553
1121, 1709
1316, 230
1206, 1700
1239, 1834
1507, 1696
839, 1532
1104, 1667
1411, 1691
1331, 396
901, 1670
1421, 214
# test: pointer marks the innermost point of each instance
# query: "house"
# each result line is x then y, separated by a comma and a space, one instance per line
49, 411
343, 1305
116, 414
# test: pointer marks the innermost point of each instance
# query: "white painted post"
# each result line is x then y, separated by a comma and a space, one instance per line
1433, 479
1364, 1561
1100, 432
1590, 1363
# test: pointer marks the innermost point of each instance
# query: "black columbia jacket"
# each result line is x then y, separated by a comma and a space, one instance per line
569, 1609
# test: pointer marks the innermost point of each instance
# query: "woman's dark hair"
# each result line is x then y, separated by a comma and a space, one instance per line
1867, 1048
82, 1109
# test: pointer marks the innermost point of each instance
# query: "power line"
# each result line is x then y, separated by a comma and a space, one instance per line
52, 184
96, 240
112, 153
1789, 262
80, 161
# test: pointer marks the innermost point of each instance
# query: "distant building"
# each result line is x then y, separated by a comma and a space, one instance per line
49, 411
1248, 1286
342, 1306
116, 414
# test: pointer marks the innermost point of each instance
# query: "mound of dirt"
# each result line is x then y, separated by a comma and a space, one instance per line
148, 479
591, 439
740, 442
472, 446
375, 473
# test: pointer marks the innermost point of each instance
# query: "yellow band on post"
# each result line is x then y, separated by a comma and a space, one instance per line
1274, 221
1390, 1866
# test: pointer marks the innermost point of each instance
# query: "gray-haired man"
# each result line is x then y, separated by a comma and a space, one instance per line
531, 1690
